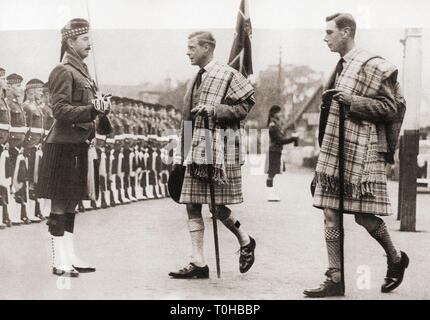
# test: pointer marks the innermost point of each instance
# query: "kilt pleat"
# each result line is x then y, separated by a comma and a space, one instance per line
273, 163
63, 172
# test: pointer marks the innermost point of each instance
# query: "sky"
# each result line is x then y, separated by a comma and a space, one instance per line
141, 40
188, 14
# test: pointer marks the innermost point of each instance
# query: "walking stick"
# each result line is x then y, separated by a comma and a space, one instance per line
341, 188
214, 207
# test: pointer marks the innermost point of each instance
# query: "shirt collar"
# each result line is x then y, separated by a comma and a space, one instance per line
76, 62
209, 66
347, 57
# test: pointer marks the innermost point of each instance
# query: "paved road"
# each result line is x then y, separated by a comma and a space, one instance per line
134, 246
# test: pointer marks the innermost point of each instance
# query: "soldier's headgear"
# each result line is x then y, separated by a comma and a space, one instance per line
74, 28
34, 83
14, 79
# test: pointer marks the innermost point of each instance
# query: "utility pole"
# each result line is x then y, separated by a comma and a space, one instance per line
280, 76
409, 146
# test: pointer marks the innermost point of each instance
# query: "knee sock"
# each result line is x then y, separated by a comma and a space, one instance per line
332, 239
234, 226
382, 235
70, 221
56, 224
197, 229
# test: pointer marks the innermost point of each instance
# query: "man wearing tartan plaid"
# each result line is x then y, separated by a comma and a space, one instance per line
366, 87
221, 96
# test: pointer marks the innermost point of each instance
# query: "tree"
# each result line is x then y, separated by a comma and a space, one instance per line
175, 97
290, 89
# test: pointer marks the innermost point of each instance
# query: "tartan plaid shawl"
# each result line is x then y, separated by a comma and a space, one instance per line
363, 76
221, 82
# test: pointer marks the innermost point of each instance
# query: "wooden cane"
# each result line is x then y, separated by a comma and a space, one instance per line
214, 207
341, 188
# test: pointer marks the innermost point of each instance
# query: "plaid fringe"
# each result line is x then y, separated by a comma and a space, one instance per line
331, 184
201, 172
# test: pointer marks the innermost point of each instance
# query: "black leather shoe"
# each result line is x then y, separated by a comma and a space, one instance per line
327, 289
26, 220
395, 273
8, 223
247, 257
63, 273
85, 269
40, 216
191, 271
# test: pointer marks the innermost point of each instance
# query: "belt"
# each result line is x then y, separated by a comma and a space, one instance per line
18, 129
37, 130
100, 137
4, 126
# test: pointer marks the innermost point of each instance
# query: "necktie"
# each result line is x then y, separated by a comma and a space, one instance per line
339, 67
199, 78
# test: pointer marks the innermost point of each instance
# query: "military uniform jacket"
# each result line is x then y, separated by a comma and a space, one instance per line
71, 90
277, 137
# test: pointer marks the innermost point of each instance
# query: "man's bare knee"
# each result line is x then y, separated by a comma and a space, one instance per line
194, 211
331, 218
223, 212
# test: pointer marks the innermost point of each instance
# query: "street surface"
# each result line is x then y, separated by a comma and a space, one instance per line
134, 247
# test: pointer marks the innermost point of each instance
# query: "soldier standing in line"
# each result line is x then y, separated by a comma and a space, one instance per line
128, 154
4, 151
119, 152
43, 206
147, 188
18, 169
32, 144
100, 145
138, 159
134, 157
111, 194
152, 152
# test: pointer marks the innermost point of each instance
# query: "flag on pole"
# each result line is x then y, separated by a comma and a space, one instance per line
240, 54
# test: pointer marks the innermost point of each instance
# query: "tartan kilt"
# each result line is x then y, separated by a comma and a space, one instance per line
63, 172
273, 163
378, 205
198, 192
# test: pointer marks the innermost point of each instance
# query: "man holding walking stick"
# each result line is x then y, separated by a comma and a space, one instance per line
364, 88
217, 99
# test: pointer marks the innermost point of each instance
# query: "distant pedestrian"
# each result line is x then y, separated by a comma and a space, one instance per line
278, 139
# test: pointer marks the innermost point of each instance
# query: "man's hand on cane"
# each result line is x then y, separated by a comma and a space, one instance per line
204, 111
339, 95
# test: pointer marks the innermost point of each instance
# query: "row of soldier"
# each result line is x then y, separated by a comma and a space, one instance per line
132, 160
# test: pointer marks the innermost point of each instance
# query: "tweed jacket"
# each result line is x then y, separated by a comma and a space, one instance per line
232, 97
385, 107
71, 90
